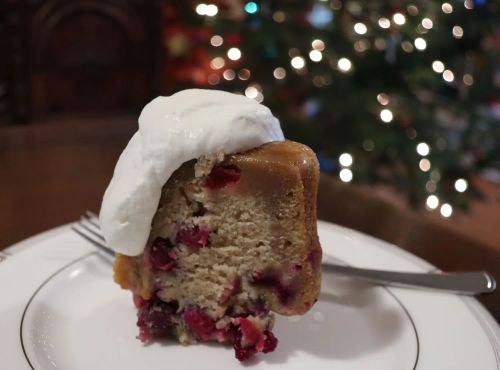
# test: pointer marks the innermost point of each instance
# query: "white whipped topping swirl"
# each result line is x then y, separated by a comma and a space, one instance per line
173, 130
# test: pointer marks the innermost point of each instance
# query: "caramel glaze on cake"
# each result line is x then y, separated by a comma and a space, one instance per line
234, 236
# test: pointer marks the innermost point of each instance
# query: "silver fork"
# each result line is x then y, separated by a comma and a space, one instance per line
469, 283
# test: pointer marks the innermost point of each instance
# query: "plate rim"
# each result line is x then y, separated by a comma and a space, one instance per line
476, 308
486, 321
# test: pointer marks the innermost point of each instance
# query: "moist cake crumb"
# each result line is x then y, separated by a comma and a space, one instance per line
233, 241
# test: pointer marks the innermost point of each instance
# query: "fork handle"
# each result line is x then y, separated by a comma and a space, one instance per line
470, 283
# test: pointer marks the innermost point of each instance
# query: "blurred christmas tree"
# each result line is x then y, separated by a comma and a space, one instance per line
398, 92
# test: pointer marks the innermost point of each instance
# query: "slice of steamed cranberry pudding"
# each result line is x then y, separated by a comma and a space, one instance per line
232, 240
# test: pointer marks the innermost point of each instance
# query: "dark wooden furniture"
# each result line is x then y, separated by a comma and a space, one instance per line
52, 172
79, 56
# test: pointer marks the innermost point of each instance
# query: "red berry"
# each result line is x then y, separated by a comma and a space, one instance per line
249, 339
241, 353
193, 237
251, 334
154, 318
139, 302
270, 342
220, 177
161, 255
199, 322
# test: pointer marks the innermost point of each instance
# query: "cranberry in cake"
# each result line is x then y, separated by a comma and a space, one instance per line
233, 240
212, 215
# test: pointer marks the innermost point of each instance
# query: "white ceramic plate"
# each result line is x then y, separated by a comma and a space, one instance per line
59, 309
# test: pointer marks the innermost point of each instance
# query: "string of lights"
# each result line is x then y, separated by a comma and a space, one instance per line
330, 56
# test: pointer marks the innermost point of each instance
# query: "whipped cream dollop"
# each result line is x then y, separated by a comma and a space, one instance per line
173, 130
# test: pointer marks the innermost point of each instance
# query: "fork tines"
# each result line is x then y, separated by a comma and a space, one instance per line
88, 228
92, 218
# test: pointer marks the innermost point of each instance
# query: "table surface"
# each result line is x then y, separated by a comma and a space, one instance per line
51, 172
